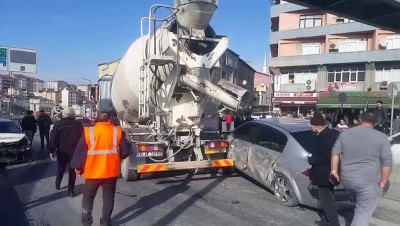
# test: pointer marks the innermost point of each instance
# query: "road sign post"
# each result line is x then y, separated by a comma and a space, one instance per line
392, 93
342, 99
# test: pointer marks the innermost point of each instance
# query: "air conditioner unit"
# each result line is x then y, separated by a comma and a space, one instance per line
310, 85
333, 48
384, 85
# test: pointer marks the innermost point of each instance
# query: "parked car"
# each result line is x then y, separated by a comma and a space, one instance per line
14, 145
274, 152
260, 115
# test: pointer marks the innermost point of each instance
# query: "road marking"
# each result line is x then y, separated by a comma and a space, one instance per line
380, 222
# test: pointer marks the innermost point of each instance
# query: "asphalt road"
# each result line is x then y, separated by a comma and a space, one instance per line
28, 197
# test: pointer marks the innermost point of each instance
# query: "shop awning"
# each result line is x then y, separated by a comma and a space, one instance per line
295, 100
356, 102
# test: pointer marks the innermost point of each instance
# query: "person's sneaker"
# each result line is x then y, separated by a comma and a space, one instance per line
71, 194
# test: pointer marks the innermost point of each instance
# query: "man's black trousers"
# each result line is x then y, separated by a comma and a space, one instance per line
44, 133
64, 161
90, 191
327, 201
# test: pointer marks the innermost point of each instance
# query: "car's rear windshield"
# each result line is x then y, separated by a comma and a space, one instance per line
257, 114
306, 139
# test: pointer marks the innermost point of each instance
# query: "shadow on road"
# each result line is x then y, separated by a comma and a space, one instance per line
32, 172
173, 214
148, 202
52, 197
11, 208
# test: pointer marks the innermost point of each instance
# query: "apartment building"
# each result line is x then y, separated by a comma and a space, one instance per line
57, 85
54, 96
317, 55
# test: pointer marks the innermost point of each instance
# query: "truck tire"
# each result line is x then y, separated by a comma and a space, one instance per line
132, 175
128, 172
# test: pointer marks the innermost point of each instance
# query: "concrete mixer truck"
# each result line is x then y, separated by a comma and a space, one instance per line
165, 84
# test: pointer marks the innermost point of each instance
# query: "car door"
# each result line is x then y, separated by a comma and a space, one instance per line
240, 143
267, 148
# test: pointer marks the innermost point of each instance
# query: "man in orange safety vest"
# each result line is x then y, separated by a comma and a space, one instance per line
98, 156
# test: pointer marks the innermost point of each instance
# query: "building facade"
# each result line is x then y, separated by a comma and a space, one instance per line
54, 96
108, 68
316, 55
262, 92
69, 98
57, 85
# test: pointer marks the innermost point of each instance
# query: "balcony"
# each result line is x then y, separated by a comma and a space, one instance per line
319, 31
276, 10
337, 58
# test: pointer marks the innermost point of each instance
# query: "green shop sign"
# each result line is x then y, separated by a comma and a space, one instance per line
360, 94
3, 55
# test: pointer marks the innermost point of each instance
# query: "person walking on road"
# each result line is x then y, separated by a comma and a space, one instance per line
228, 121
44, 123
98, 156
64, 138
365, 163
28, 125
381, 116
321, 166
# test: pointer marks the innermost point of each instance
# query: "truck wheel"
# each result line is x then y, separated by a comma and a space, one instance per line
132, 175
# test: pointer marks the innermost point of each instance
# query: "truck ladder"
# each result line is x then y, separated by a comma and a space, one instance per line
151, 59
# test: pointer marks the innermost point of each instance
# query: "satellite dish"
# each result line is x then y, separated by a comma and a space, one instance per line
383, 43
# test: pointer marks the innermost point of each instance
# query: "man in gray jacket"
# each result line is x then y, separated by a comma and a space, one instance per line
366, 163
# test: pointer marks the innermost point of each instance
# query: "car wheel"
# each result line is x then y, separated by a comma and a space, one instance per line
283, 191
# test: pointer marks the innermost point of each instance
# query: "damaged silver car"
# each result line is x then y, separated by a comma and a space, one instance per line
274, 152
14, 145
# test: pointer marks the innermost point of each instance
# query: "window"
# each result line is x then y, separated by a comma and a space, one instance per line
389, 74
342, 20
247, 132
307, 140
298, 76
393, 42
346, 75
310, 21
272, 139
311, 48
352, 45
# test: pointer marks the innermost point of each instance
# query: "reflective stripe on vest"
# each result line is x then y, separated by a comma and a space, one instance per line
91, 150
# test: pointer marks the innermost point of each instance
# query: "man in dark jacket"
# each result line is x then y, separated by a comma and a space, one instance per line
321, 167
381, 116
44, 123
64, 138
28, 125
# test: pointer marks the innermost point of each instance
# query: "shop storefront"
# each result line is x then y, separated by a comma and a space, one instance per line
355, 100
298, 103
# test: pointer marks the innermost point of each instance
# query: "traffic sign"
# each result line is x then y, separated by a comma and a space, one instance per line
342, 97
392, 90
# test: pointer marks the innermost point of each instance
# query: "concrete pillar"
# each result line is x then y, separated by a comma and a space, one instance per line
369, 75
322, 78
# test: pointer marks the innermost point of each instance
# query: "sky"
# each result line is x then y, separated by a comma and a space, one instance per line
73, 36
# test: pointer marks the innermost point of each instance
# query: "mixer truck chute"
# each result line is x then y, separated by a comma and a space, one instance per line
164, 86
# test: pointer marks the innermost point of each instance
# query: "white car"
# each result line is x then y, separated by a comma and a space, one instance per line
14, 145
260, 115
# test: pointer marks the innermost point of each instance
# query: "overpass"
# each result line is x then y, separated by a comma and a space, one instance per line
379, 13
